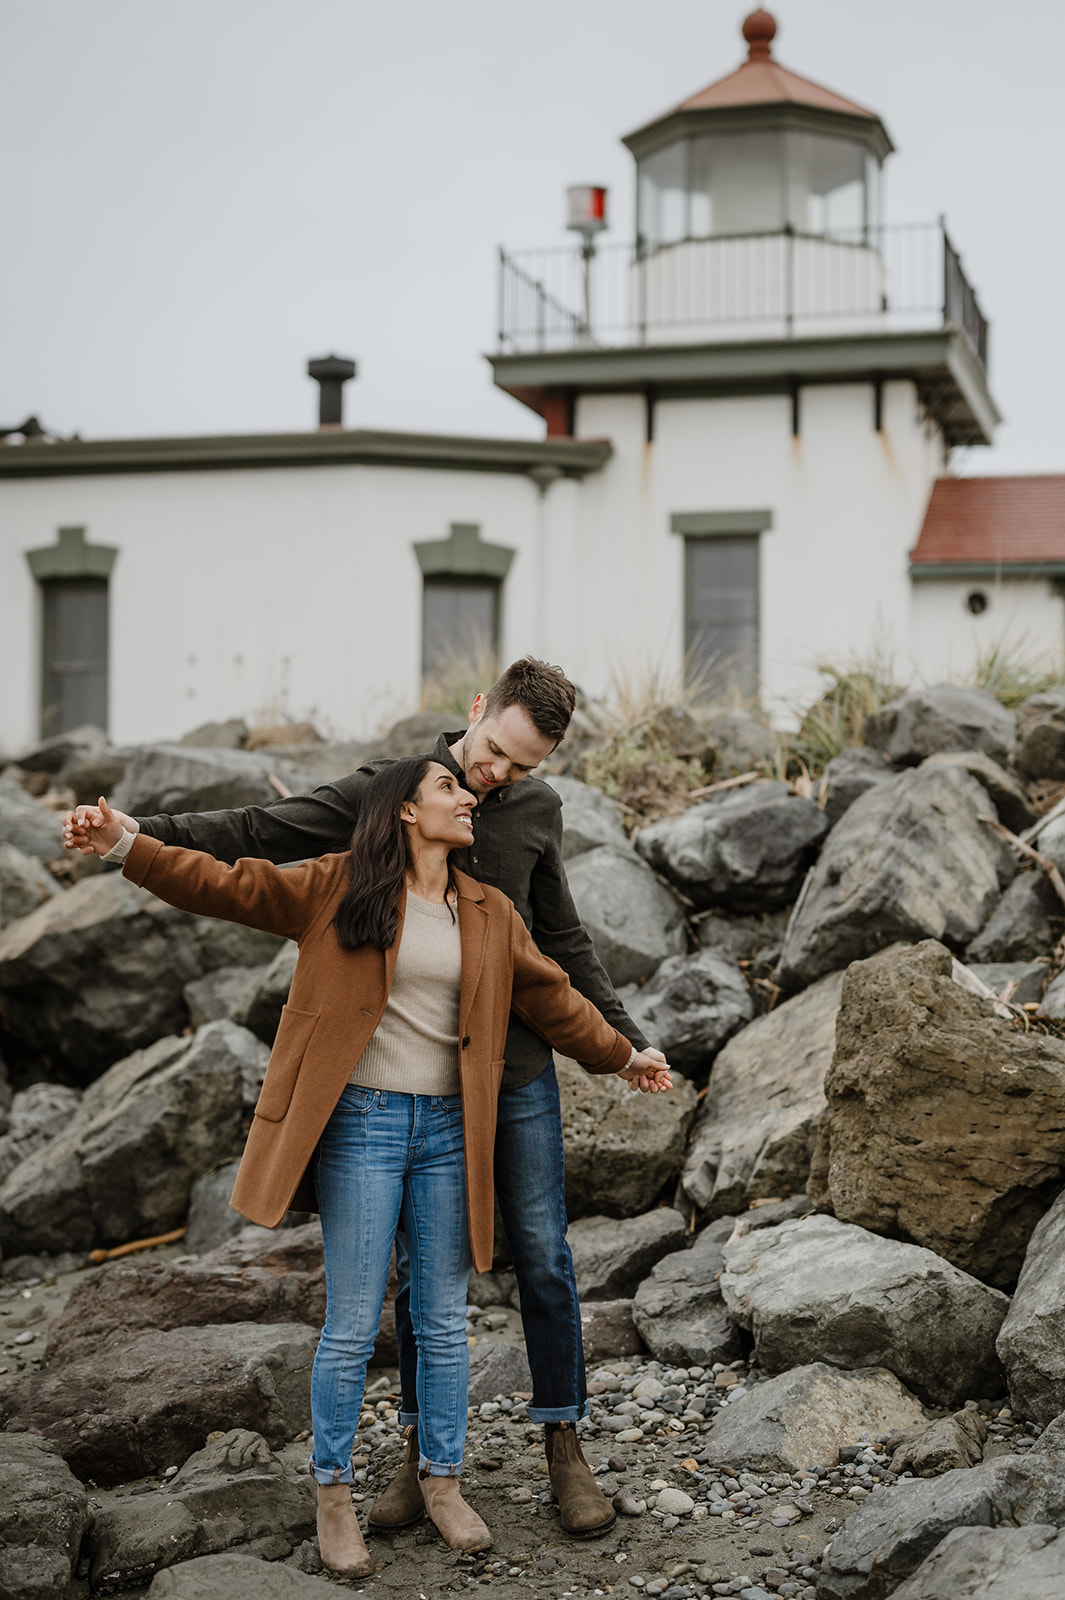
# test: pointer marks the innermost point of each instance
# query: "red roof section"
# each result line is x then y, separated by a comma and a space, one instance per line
760, 81
997, 520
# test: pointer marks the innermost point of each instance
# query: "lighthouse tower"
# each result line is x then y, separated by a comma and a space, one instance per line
782, 374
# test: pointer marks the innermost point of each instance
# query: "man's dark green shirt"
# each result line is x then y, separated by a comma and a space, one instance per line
517, 847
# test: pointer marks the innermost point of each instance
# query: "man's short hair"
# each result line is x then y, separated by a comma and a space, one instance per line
543, 692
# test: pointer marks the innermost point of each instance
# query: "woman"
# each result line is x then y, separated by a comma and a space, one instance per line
378, 1104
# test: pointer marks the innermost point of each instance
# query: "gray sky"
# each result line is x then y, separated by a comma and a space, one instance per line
199, 196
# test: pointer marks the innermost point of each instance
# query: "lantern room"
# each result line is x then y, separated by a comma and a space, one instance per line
760, 151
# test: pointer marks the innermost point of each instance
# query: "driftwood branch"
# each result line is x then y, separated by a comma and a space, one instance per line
1056, 881
725, 783
96, 1256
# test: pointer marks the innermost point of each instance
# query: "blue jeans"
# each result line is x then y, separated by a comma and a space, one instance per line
386, 1160
530, 1180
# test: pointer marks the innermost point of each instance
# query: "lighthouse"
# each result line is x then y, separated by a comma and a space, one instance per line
782, 372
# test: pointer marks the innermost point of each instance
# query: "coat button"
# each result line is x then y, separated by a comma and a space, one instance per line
465, 1041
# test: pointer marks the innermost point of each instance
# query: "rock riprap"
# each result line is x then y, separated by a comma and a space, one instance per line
1040, 748
1031, 1343
613, 1255
44, 1519
909, 860
747, 849
945, 1125
817, 1289
691, 1006
634, 922
991, 1564
622, 1147
678, 1309
589, 818
947, 716
758, 1126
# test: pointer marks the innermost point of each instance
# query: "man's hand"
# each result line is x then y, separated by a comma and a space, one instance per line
100, 827
649, 1073
76, 833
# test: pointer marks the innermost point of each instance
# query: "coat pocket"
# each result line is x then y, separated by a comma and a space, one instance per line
293, 1036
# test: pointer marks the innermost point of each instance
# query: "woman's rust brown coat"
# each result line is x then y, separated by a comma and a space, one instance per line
338, 997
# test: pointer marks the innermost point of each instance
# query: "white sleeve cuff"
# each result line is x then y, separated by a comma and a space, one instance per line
633, 1053
119, 851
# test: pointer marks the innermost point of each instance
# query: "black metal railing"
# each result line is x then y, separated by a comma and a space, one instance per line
761, 285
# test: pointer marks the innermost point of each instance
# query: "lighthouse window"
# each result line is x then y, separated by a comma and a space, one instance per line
976, 602
664, 196
460, 622
721, 612
74, 689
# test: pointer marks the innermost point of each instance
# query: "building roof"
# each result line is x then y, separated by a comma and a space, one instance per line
992, 523
762, 81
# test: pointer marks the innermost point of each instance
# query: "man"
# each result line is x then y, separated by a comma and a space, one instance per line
517, 848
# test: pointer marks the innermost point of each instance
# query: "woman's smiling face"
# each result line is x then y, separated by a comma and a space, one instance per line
440, 812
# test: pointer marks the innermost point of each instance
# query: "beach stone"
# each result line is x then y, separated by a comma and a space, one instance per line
674, 1503
1029, 976
679, 1311
800, 1420
1039, 751
745, 849
847, 777
37, 1114
1006, 794
622, 1147
231, 1492
25, 884
634, 923
124, 1166
942, 1446
45, 1516
231, 1576
1031, 1344
589, 818
159, 1394
1024, 925
822, 1290
991, 1564
611, 1255
260, 1008
946, 716
27, 825
757, 1129
172, 779
886, 1539
909, 860
607, 1330
917, 1059
100, 971
690, 1007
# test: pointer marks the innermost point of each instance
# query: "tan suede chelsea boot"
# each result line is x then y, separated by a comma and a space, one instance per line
584, 1509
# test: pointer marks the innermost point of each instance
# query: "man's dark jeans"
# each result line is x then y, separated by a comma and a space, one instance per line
530, 1188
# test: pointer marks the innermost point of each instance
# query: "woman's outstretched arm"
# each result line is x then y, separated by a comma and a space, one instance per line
278, 900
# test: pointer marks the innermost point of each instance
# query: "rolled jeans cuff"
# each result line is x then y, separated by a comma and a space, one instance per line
558, 1413
329, 1475
408, 1419
439, 1469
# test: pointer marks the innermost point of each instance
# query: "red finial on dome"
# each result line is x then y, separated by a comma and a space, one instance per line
759, 30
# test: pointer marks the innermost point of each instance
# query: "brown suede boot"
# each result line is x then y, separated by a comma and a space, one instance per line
583, 1509
340, 1541
461, 1527
402, 1503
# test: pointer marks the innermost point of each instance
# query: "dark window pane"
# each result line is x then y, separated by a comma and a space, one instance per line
460, 622
75, 654
721, 612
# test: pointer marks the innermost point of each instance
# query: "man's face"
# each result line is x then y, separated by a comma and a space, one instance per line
500, 750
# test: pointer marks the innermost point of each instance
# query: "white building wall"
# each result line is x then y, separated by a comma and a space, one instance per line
1024, 620
293, 591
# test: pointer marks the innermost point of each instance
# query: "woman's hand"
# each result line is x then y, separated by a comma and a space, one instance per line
649, 1073
99, 827
76, 835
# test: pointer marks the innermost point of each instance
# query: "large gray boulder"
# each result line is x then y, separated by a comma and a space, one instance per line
101, 970
918, 1058
887, 1538
230, 1576
1020, 982
1031, 1345
690, 1007
847, 777
742, 936
678, 1310
612, 1255
633, 921
45, 1517
946, 716
589, 818
1039, 751
221, 993
259, 1009
800, 1420
173, 778
746, 849
157, 1396
741, 740
758, 1127
1006, 794
55, 756
123, 1168
1025, 924
622, 1147
28, 825
822, 1290
991, 1564
230, 1493
37, 1115
25, 884
910, 860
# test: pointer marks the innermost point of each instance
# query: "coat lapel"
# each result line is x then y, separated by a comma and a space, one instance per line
473, 932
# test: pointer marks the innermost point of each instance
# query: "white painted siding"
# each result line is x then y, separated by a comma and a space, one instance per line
1025, 618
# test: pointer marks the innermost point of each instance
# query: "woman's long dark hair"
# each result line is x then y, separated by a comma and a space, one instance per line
380, 855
